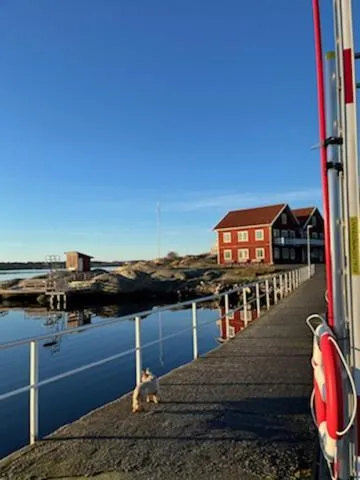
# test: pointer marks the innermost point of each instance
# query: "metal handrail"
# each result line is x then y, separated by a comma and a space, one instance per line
131, 316
293, 278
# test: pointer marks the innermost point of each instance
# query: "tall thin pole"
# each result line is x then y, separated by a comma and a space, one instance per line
323, 156
158, 230
308, 250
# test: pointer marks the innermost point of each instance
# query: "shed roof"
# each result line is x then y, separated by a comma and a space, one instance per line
79, 253
251, 216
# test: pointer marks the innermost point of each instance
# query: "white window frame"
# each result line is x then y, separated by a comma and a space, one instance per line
284, 219
231, 331
276, 253
284, 233
242, 316
285, 257
292, 254
227, 237
243, 236
261, 232
262, 249
240, 257
230, 258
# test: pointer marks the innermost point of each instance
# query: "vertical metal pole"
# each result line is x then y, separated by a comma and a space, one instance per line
245, 307
281, 286
285, 285
308, 250
138, 350
257, 290
34, 397
267, 294
194, 326
227, 315
275, 290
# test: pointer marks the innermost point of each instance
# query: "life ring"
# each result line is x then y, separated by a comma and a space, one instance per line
327, 392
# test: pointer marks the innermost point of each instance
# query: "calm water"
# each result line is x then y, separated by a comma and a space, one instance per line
66, 400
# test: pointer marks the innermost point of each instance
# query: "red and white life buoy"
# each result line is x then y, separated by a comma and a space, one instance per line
327, 394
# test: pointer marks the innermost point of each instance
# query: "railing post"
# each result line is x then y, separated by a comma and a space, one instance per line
285, 284
291, 285
267, 294
275, 290
194, 326
245, 307
227, 315
138, 350
34, 393
297, 278
257, 290
281, 286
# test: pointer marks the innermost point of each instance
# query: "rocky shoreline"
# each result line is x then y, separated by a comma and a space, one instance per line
166, 280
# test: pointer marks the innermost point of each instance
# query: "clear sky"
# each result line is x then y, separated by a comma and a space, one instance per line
108, 107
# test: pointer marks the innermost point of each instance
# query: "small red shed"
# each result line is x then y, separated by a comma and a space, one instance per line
78, 262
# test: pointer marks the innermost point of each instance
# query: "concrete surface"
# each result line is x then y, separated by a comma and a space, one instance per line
240, 412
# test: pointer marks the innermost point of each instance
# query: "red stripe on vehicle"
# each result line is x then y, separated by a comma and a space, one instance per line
348, 76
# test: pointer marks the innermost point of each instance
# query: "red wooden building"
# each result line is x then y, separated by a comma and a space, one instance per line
270, 234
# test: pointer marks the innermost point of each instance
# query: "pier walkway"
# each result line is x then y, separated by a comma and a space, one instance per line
239, 412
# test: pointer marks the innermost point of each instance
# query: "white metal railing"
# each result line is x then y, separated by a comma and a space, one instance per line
282, 284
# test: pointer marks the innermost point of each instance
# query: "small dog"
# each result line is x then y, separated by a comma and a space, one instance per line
148, 388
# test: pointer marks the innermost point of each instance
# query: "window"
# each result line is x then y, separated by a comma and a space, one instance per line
291, 234
276, 232
284, 218
243, 236
285, 254
276, 253
227, 255
314, 235
227, 237
259, 234
321, 236
313, 221
292, 254
260, 253
243, 254
248, 315
231, 331
284, 233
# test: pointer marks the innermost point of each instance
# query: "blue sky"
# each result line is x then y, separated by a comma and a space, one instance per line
108, 107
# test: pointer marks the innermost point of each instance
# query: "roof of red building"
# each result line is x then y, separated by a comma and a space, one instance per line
302, 214
250, 216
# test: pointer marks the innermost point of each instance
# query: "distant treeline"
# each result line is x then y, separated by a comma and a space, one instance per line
45, 265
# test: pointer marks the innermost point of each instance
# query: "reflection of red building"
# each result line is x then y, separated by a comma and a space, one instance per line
236, 322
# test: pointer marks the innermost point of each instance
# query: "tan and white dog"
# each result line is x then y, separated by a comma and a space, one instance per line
148, 389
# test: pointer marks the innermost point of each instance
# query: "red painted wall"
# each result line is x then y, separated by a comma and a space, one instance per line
251, 244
